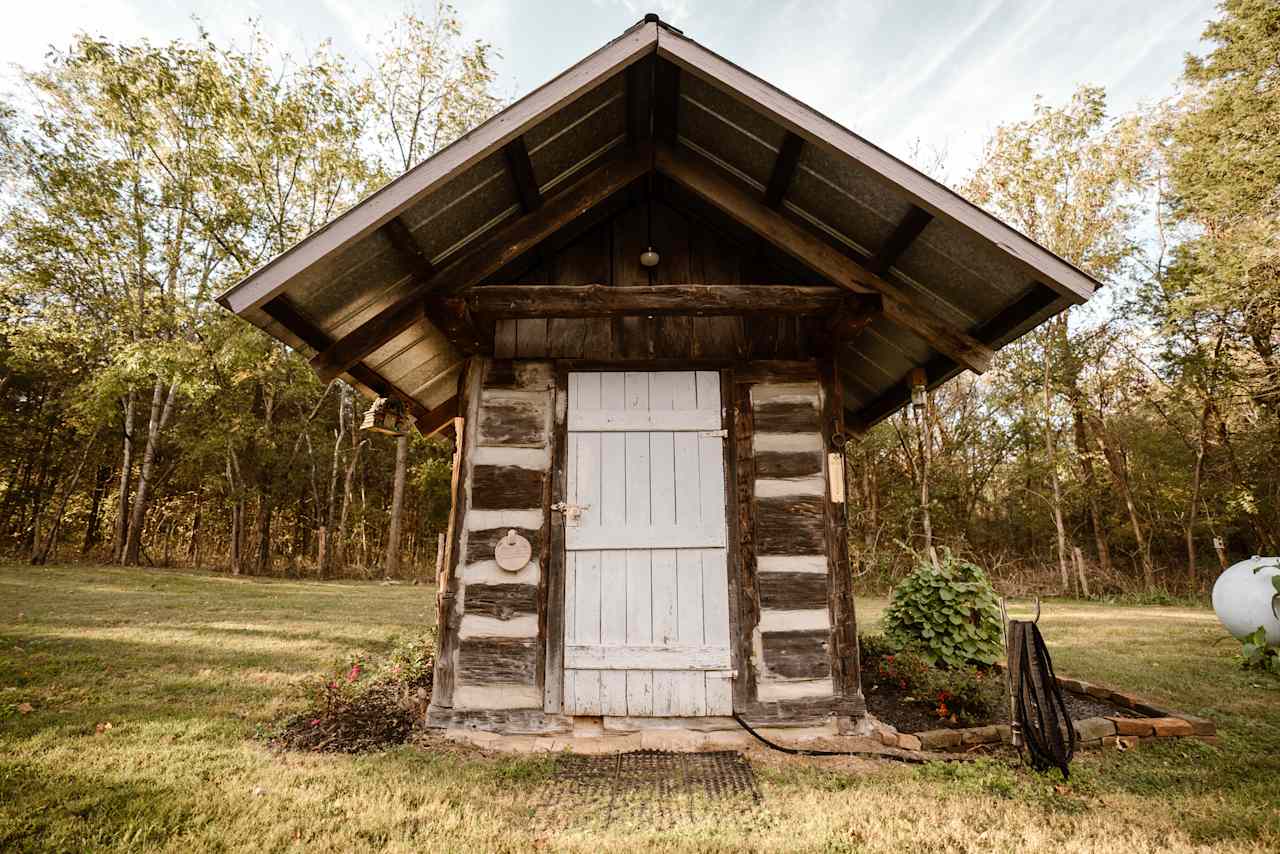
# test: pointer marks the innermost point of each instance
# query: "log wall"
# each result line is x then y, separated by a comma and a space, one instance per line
494, 642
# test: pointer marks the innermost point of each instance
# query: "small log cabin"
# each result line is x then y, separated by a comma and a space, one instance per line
652, 300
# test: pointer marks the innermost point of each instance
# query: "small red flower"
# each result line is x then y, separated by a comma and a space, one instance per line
315, 722
354, 674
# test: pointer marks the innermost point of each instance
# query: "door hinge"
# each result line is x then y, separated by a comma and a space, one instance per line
715, 434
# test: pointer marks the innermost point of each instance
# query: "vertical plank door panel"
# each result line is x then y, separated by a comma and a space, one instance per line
642, 599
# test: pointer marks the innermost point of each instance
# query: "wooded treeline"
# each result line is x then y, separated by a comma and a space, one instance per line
143, 424
1129, 446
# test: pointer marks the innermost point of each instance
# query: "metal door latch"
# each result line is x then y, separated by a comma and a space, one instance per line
714, 434
571, 512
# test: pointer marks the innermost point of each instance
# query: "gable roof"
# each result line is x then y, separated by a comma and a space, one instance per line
956, 282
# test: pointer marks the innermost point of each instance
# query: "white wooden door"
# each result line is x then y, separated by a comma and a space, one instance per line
646, 587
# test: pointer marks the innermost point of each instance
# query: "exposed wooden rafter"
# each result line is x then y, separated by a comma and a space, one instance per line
939, 369
784, 169
485, 258
709, 182
702, 300
457, 327
282, 311
521, 169
900, 240
639, 83
413, 253
666, 101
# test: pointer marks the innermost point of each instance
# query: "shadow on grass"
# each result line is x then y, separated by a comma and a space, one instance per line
74, 812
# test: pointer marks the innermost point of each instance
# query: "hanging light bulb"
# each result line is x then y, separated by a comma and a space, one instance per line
919, 392
649, 258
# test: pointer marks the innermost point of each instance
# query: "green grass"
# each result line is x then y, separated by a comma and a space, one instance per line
186, 667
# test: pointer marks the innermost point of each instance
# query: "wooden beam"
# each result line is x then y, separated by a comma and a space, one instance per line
784, 169
854, 315
900, 240
666, 101
521, 169
595, 300
487, 257
639, 83
456, 325
282, 311
439, 419
939, 369
411, 251
707, 181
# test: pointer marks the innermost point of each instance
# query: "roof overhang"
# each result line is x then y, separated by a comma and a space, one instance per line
366, 293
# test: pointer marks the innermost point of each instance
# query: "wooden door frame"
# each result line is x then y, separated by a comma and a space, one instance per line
553, 580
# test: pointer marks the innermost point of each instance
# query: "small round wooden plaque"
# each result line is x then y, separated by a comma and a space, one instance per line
512, 552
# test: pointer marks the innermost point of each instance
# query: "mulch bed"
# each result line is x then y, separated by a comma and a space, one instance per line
384, 715
894, 706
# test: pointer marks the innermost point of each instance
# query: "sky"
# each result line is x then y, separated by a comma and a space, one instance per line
920, 79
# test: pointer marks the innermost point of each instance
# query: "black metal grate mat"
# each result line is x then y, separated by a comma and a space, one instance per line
654, 787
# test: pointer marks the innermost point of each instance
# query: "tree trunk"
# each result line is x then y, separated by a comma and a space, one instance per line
161, 411
93, 526
394, 524
41, 554
1089, 478
1115, 461
1197, 475
1051, 452
1080, 571
923, 443
235, 545
193, 546
324, 536
126, 475
348, 489
262, 561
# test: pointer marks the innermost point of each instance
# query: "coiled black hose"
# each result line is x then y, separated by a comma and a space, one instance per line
1040, 711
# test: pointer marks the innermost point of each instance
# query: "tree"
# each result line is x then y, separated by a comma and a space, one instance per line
1071, 180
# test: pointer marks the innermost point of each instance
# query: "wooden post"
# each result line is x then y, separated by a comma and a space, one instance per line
553, 583
447, 645
844, 626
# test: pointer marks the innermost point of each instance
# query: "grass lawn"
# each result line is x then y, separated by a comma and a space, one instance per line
186, 667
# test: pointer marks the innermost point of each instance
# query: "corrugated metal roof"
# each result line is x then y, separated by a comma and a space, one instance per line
973, 273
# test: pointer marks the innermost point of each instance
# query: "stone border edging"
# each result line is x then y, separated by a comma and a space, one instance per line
1096, 732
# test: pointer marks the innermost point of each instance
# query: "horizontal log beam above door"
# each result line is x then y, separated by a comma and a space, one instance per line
703, 300
708, 181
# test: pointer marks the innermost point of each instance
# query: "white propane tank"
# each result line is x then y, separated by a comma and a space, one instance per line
1243, 597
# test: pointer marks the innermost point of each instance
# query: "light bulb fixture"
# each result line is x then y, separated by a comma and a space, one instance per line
919, 390
649, 258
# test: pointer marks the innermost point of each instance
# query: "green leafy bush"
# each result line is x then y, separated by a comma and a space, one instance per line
1259, 656
950, 613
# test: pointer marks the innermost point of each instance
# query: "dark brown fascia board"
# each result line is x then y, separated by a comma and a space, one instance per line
1039, 263
397, 196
